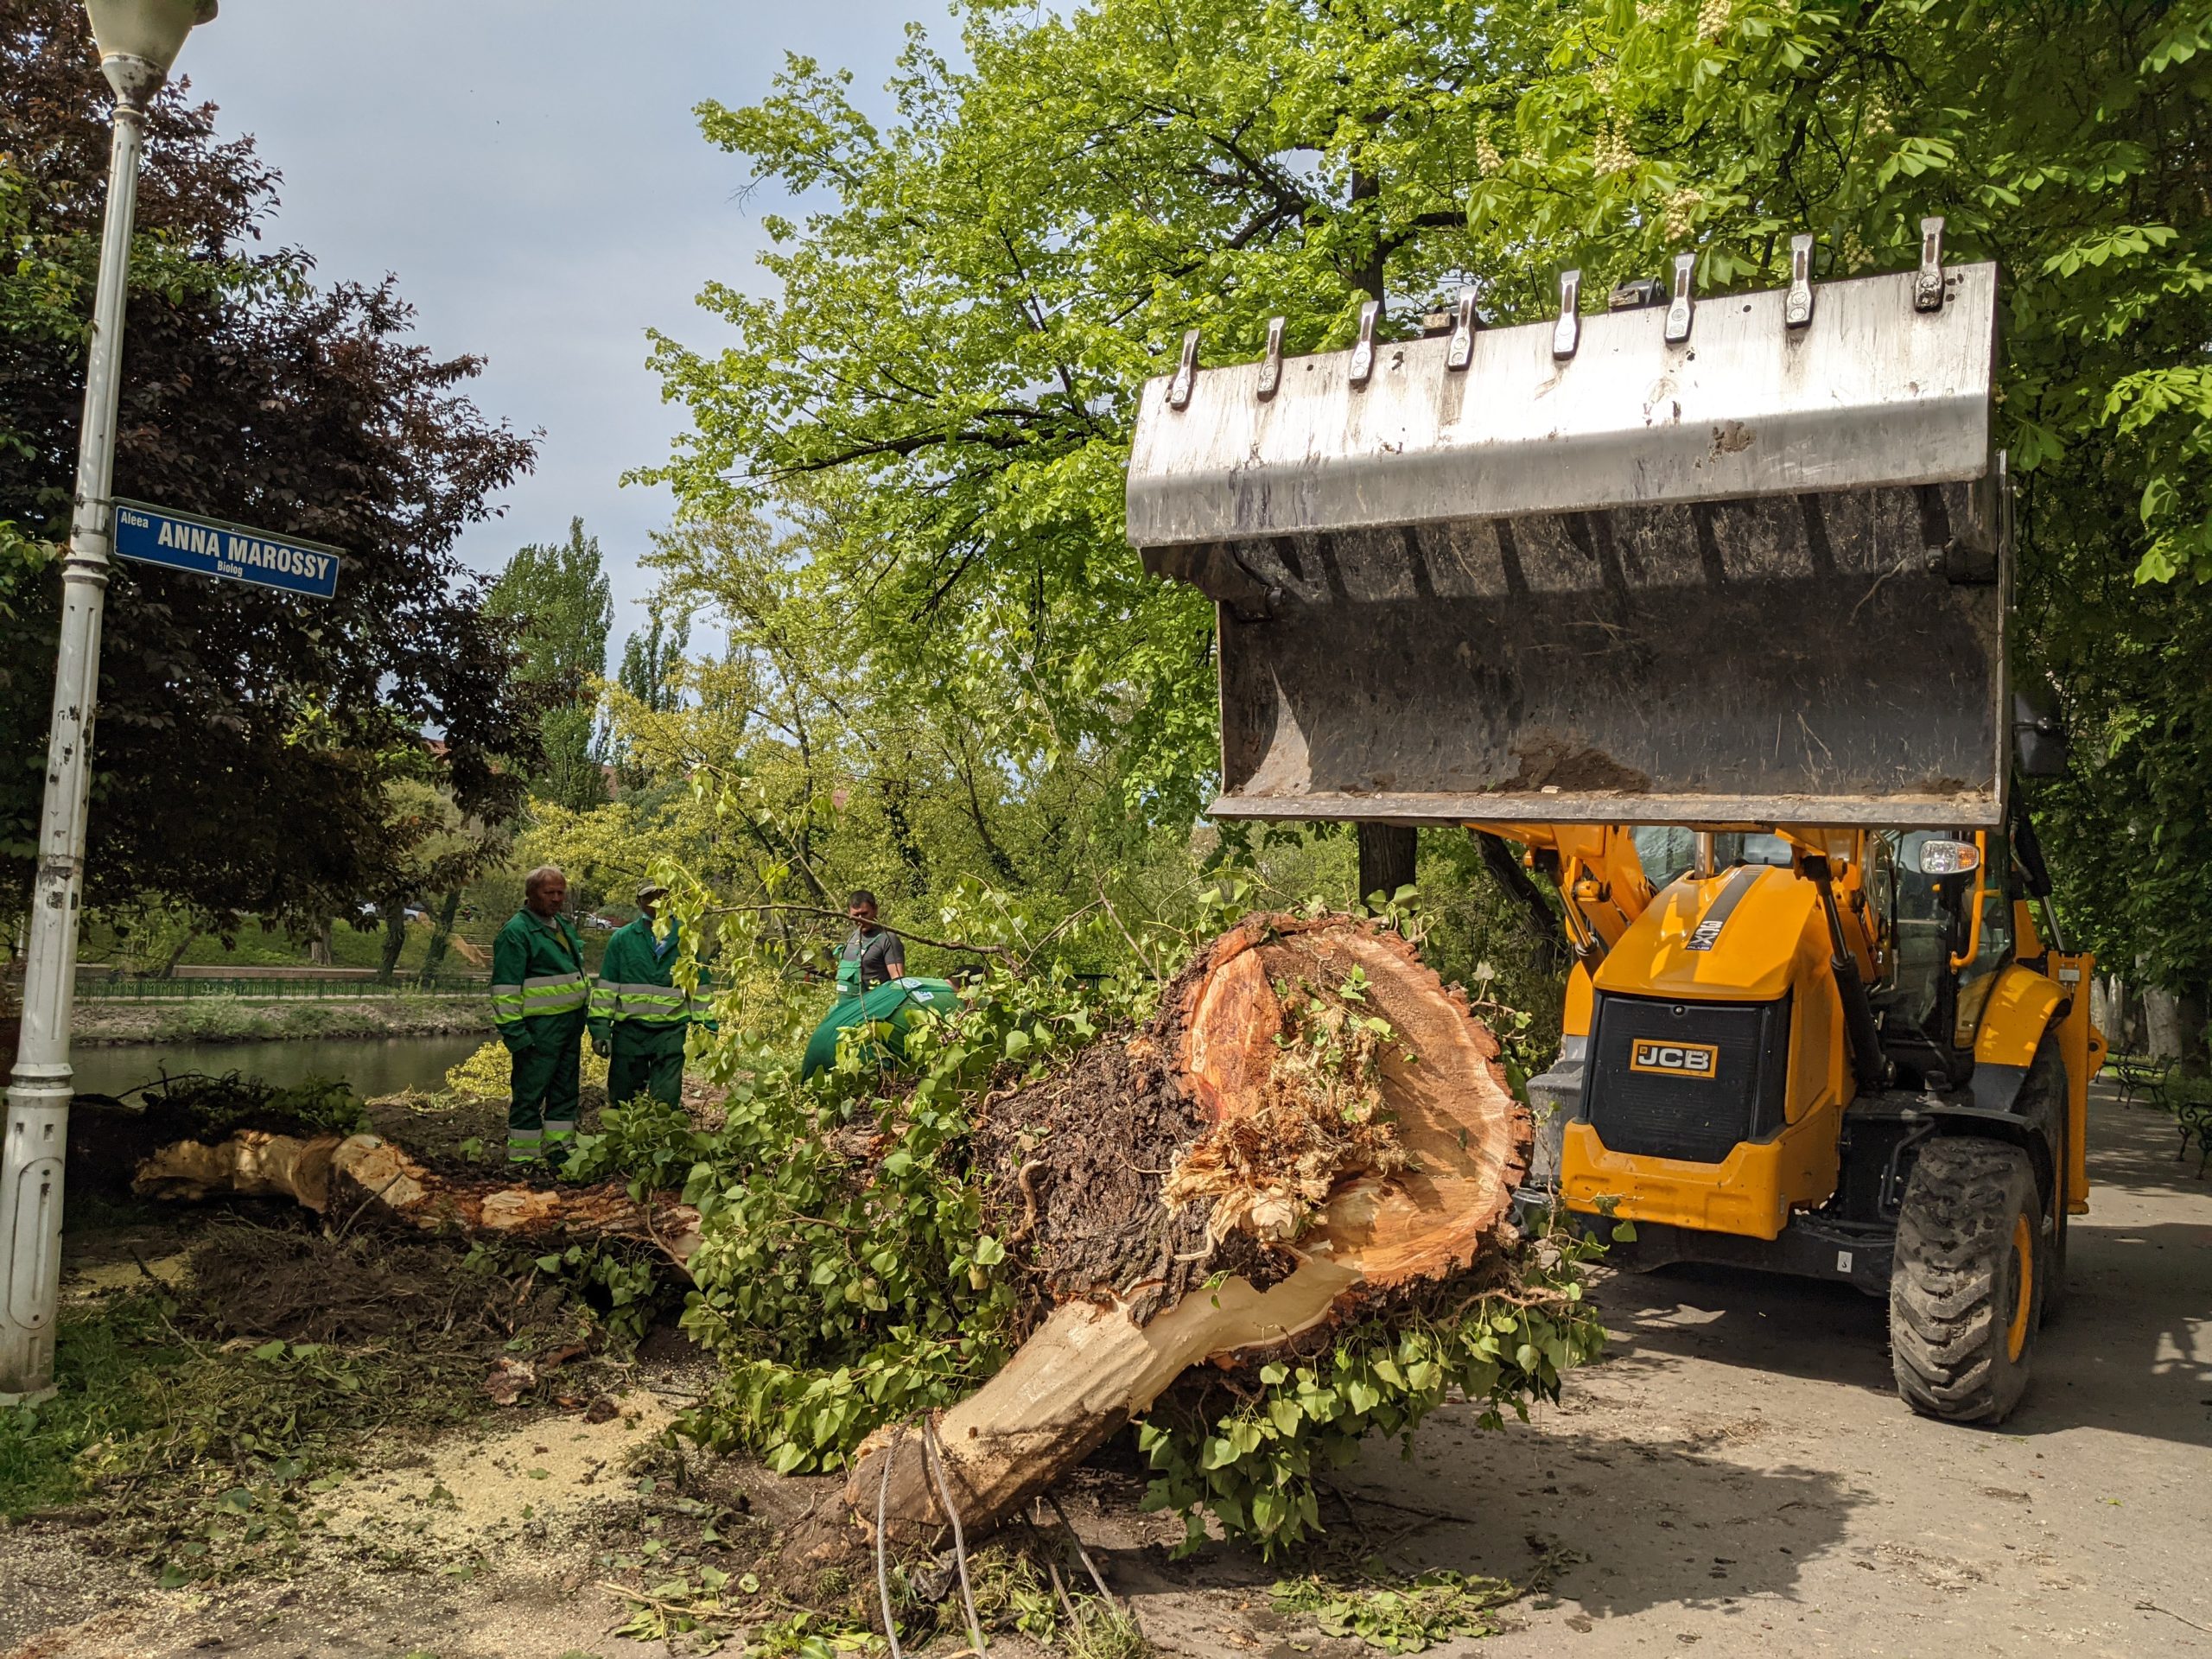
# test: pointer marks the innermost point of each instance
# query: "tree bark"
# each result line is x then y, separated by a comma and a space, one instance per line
434, 958
168, 967
319, 954
395, 938
1233, 1281
1311, 1130
1389, 853
343, 1176
2173, 1027
1544, 924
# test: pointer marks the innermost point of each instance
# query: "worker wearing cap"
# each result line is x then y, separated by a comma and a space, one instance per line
639, 1014
538, 997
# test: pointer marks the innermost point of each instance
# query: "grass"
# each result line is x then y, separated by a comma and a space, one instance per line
257, 946
199, 1458
234, 1019
196, 1440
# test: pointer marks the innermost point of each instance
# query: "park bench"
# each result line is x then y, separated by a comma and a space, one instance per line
2137, 1074
2187, 1100
2190, 1099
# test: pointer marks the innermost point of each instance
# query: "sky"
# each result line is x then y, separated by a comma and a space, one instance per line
531, 172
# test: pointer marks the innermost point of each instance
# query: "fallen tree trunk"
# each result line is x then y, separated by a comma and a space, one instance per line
344, 1177
1313, 1127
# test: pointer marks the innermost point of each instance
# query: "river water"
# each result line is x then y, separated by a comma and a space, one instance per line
373, 1065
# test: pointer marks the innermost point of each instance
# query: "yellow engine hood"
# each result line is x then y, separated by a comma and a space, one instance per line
1729, 938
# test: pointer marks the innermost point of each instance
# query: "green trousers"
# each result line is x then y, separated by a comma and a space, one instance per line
647, 1059
542, 1110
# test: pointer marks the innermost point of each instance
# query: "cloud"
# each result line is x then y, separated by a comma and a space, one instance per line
532, 171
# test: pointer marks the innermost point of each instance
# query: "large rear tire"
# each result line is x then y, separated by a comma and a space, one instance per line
2044, 1101
1966, 1290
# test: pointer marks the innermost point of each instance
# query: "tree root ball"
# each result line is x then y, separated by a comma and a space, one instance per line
1313, 1129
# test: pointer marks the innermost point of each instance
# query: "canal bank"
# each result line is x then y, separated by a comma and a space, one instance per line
231, 1019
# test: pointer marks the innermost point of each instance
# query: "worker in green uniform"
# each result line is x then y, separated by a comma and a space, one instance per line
538, 997
639, 1014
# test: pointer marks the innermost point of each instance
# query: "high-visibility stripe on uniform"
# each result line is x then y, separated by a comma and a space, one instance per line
554, 994
524, 1146
648, 1004
536, 973
558, 1132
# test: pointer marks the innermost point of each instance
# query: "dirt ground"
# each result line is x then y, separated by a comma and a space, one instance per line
1736, 1478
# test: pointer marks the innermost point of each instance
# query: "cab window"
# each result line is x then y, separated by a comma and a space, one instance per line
1666, 852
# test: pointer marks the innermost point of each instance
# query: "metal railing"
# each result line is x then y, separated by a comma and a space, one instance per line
115, 988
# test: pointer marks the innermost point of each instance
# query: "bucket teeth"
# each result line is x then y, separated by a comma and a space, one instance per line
1747, 565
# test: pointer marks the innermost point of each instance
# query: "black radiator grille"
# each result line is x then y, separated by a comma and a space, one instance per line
1685, 1080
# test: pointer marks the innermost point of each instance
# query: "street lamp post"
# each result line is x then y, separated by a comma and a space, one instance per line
138, 41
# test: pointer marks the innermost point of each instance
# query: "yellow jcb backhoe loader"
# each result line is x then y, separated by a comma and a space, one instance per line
1702, 600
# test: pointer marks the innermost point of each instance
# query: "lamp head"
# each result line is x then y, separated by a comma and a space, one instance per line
140, 39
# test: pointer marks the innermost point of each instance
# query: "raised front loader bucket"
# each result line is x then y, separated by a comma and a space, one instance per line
1687, 564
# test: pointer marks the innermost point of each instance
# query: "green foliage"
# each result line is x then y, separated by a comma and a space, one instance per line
245, 738
558, 595
652, 1145
844, 1279
488, 1074
619, 1280
837, 1303
210, 1107
1409, 1615
1254, 1464
651, 674
1055, 204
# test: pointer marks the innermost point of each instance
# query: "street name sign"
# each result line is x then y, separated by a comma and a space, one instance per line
209, 547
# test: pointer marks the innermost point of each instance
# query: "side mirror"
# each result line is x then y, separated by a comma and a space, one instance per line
1949, 857
2038, 734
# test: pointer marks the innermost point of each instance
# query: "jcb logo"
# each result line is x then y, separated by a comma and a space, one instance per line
1675, 1060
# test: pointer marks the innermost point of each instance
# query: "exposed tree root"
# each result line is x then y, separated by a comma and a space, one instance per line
1249, 1172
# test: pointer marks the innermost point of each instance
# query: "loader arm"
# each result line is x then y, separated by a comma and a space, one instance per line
1602, 883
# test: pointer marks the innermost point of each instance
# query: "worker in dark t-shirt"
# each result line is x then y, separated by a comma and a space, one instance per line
872, 955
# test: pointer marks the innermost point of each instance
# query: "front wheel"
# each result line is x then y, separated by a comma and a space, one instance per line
1965, 1291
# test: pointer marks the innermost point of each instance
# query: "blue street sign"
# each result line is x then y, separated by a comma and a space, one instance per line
209, 547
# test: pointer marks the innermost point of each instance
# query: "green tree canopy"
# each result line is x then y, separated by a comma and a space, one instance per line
650, 658
557, 595
244, 737
956, 337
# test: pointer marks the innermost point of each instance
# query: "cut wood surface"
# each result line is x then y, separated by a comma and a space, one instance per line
343, 1176
1211, 1078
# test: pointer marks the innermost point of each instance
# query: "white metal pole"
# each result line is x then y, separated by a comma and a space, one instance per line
31, 1155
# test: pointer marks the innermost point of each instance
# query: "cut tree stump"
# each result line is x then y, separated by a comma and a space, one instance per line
1083, 1166
342, 1177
